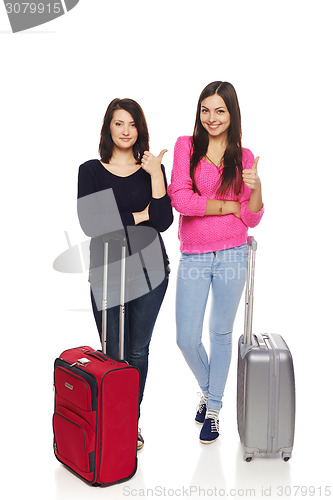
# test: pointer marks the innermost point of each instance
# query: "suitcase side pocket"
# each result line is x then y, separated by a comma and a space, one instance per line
75, 418
74, 440
75, 385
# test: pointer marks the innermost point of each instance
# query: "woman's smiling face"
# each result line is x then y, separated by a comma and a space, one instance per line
123, 129
214, 115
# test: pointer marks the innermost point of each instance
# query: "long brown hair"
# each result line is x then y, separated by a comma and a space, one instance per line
141, 145
231, 178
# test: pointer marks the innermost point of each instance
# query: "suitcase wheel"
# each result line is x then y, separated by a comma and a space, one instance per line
248, 458
286, 457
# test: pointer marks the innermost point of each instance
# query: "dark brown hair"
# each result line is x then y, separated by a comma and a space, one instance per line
231, 178
106, 144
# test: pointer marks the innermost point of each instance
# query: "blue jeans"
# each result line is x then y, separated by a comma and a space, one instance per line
224, 273
140, 318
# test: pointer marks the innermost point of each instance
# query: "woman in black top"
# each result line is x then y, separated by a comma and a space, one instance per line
138, 182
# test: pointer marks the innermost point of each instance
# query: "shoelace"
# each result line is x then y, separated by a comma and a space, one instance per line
215, 425
214, 416
202, 403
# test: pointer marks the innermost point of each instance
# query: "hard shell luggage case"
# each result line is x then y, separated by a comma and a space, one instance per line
95, 421
265, 386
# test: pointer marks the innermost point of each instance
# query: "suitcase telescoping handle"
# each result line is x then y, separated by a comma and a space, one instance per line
252, 244
122, 295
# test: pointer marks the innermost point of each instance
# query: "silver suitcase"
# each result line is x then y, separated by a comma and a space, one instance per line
265, 386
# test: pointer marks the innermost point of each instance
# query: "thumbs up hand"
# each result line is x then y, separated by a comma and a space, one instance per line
151, 163
250, 175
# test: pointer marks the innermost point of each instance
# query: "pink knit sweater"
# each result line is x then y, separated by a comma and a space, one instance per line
200, 233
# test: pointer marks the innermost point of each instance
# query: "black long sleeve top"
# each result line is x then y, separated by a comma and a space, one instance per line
132, 194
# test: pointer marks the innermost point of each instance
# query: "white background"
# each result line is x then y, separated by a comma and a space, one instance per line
56, 82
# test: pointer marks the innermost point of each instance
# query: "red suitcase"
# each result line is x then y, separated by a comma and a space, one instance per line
95, 421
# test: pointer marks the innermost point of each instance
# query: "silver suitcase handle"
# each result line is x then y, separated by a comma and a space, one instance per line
122, 292
248, 317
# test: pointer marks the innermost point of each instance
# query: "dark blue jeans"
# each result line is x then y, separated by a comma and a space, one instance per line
140, 318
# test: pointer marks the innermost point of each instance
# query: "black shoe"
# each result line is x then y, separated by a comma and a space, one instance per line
140, 440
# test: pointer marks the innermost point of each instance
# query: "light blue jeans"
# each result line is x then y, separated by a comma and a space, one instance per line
224, 274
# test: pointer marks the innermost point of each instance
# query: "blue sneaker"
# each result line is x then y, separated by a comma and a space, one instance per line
201, 410
210, 429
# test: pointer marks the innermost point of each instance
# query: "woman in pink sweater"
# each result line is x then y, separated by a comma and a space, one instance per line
216, 189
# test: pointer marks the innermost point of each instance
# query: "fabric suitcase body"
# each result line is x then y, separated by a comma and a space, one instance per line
265, 386
95, 419
266, 397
